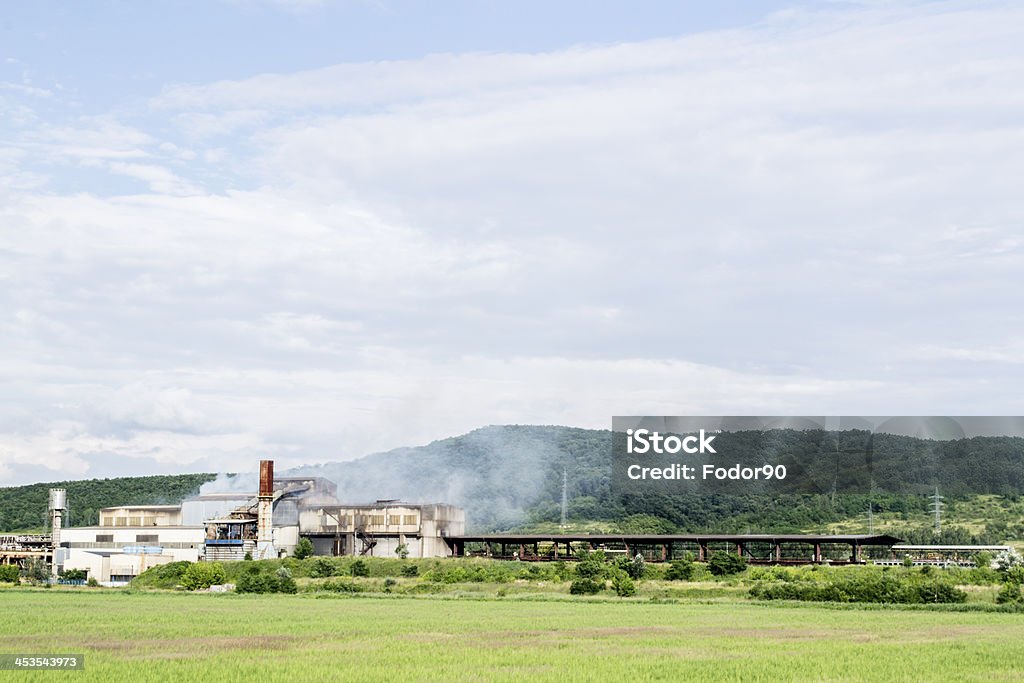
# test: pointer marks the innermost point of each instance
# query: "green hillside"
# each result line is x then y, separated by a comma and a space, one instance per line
24, 508
510, 477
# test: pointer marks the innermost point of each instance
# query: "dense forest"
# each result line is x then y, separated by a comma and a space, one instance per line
510, 477
24, 508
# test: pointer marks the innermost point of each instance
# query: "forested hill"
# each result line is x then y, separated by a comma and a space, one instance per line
509, 476
25, 507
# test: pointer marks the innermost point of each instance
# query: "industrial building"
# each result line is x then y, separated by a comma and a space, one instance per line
263, 524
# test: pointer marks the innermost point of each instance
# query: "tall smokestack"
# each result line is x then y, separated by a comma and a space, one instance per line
58, 506
265, 512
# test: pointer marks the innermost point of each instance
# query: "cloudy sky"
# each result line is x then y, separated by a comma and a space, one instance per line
315, 230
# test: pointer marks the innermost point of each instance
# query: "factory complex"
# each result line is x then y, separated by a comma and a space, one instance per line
263, 524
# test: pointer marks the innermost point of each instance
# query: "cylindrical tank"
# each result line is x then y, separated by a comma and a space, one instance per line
58, 499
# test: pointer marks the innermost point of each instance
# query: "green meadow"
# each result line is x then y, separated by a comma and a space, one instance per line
179, 636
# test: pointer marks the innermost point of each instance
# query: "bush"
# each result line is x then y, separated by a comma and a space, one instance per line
680, 570
322, 568
635, 567
410, 570
74, 575
9, 573
303, 549
338, 586
722, 563
202, 575
1009, 594
402, 551
586, 586
860, 586
359, 568
255, 579
623, 585
591, 565
285, 582
92, 583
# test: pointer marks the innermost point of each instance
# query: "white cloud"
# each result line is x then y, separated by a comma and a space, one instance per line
816, 214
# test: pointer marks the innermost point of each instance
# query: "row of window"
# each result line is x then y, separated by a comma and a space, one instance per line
128, 521
139, 538
393, 520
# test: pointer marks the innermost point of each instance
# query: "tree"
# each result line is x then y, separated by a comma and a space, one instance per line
9, 573
722, 563
623, 585
303, 549
681, 570
402, 550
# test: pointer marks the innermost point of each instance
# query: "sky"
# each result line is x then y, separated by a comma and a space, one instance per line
313, 230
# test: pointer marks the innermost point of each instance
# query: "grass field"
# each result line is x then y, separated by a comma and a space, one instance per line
185, 637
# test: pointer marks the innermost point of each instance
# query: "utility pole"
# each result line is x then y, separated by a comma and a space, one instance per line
871, 518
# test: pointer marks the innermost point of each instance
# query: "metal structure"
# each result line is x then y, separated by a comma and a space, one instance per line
58, 508
756, 548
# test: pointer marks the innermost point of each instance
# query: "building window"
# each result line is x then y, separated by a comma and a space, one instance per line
410, 520
104, 538
377, 520
121, 521
395, 520
146, 538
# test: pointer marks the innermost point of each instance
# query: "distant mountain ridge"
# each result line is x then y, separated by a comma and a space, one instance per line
510, 476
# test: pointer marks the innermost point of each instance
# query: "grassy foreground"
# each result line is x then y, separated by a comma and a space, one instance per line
187, 637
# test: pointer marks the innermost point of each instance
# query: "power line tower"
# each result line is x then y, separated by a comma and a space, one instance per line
937, 506
565, 495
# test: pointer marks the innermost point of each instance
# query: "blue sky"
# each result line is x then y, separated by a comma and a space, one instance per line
314, 230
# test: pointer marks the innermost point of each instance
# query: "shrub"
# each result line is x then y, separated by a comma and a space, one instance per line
402, 551
303, 549
359, 568
983, 560
623, 585
202, 575
634, 567
255, 579
680, 570
586, 586
9, 573
322, 568
74, 575
92, 583
410, 570
591, 565
1009, 594
722, 563
861, 586
338, 586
